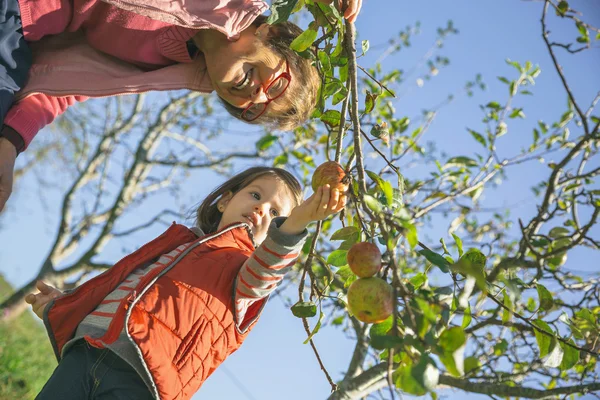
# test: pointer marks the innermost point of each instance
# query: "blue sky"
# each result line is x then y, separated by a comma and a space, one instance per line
273, 363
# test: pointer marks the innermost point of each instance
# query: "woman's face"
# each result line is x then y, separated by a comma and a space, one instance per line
241, 70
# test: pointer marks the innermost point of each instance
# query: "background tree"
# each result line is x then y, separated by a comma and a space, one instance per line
491, 313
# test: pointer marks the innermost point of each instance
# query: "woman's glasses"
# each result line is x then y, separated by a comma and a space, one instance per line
275, 90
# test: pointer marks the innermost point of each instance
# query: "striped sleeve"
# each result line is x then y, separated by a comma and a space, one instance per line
264, 270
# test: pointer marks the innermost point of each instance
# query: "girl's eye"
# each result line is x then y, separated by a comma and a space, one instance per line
275, 213
256, 195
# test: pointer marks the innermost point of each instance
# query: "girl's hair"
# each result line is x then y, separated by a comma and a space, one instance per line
306, 81
208, 216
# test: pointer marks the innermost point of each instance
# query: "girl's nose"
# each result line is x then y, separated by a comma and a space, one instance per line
260, 210
258, 95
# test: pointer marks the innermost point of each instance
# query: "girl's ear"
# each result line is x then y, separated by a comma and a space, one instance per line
265, 31
224, 200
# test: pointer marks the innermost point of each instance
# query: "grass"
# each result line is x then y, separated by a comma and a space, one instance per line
26, 357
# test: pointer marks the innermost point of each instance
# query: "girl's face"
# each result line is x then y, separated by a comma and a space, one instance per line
240, 70
257, 204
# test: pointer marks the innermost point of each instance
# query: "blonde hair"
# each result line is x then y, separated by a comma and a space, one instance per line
305, 84
208, 215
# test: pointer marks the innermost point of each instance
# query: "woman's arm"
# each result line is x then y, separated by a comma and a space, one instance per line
29, 115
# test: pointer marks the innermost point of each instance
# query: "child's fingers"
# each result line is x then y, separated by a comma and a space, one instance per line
333, 199
30, 298
44, 288
341, 203
325, 198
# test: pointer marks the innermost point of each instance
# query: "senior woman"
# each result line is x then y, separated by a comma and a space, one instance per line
98, 48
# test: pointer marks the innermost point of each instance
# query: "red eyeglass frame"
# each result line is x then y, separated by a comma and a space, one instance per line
285, 75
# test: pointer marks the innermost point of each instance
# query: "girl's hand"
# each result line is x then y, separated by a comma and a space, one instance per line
40, 301
351, 11
323, 203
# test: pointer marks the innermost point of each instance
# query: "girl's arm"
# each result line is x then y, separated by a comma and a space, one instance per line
264, 270
29, 115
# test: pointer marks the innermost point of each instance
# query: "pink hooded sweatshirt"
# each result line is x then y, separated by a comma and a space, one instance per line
98, 48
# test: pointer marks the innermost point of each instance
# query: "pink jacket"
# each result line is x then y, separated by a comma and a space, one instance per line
66, 69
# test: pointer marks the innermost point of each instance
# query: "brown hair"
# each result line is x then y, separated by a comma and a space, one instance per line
208, 215
305, 82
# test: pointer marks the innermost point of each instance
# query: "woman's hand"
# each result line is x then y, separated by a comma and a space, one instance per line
40, 301
352, 9
323, 203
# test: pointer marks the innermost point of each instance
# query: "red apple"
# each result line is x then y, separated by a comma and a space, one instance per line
330, 173
371, 300
364, 259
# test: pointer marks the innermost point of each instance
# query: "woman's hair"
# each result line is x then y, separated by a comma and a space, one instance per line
305, 81
208, 215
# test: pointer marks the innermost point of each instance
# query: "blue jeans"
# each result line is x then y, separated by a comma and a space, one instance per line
86, 372
15, 56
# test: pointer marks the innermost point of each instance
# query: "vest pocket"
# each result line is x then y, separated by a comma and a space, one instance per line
189, 343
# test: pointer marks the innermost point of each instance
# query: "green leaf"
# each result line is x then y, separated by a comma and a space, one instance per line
570, 357
316, 329
281, 160
406, 382
501, 347
426, 373
347, 233
435, 259
331, 118
478, 137
461, 161
337, 258
546, 301
543, 341
507, 312
411, 234
280, 11
265, 142
369, 102
346, 275
324, 60
304, 40
452, 339
555, 356
373, 203
332, 88
459, 244
379, 337
472, 263
418, 280
426, 310
467, 317
563, 7
304, 309
472, 364
452, 342
365, 46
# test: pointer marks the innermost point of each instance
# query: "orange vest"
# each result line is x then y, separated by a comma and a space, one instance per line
181, 317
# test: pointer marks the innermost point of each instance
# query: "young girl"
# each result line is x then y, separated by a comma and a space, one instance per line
96, 48
160, 321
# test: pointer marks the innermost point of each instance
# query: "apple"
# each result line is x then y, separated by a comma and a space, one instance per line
364, 259
371, 300
331, 173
